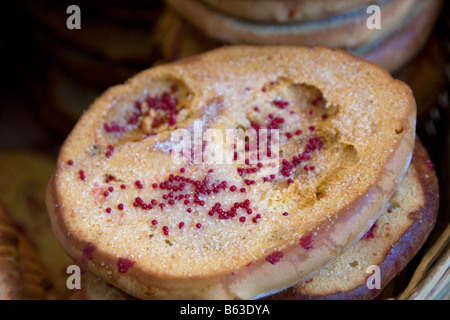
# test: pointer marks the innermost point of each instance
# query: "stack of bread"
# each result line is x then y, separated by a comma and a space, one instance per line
388, 32
354, 191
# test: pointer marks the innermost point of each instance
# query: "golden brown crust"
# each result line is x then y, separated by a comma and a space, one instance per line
93, 288
405, 223
349, 31
232, 273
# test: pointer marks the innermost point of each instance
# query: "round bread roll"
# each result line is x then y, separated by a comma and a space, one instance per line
124, 204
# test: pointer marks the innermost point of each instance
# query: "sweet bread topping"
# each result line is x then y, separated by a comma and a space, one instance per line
161, 221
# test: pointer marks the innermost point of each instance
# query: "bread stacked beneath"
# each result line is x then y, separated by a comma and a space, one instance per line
346, 136
390, 244
404, 26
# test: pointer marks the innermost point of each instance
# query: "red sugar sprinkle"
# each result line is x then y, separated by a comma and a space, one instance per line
154, 222
288, 135
70, 162
82, 176
233, 188
108, 210
274, 257
285, 214
256, 218
430, 165
316, 100
242, 190
298, 132
242, 219
138, 184
307, 241
280, 103
122, 186
312, 128
181, 225
369, 234
166, 230
88, 251
198, 225
182, 170
120, 206
124, 264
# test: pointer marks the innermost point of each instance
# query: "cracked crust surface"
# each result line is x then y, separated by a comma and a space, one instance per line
392, 241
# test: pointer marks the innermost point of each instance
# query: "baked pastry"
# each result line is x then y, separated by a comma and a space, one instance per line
347, 136
93, 288
345, 31
392, 241
177, 38
22, 275
286, 11
397, 49
23, 179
